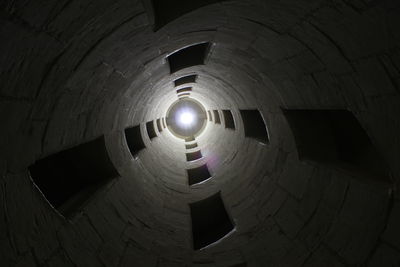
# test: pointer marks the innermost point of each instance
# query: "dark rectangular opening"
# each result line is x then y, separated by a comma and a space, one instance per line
193, 156
134, 140
217, 119
150, 129
210, 221
209, 115
190, 146
68, 179
229, 121
254, 125
159, 125
167, 11
183, 90
185, 80
198, 175
335, 137
188, 56
189, 139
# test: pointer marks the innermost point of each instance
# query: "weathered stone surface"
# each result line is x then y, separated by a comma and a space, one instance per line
392, 231
385, 256
73, 70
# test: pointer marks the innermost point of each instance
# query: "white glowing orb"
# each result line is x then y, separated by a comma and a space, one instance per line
186, 118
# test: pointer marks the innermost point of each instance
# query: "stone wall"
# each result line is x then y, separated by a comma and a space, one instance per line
75, 70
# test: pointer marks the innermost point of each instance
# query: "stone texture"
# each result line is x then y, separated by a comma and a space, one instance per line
73, 70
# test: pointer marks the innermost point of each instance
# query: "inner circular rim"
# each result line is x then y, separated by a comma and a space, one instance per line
200, 114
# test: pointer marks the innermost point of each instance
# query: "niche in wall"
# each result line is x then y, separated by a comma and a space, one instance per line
210, 221
209, 115
229, 121
191, 156
159, 125
189, 56
198, 175
134, 140
254, 125
185, 80
336, 138
70, 178
190, 146
150, 129
167, 11
184, 90
217, 118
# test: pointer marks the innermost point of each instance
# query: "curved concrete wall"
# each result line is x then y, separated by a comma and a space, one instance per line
75, 70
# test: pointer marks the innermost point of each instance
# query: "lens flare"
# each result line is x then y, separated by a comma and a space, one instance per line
186, 118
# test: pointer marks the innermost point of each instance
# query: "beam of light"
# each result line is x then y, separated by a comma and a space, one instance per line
186, 118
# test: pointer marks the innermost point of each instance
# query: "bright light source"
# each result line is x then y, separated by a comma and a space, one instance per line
186, 118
